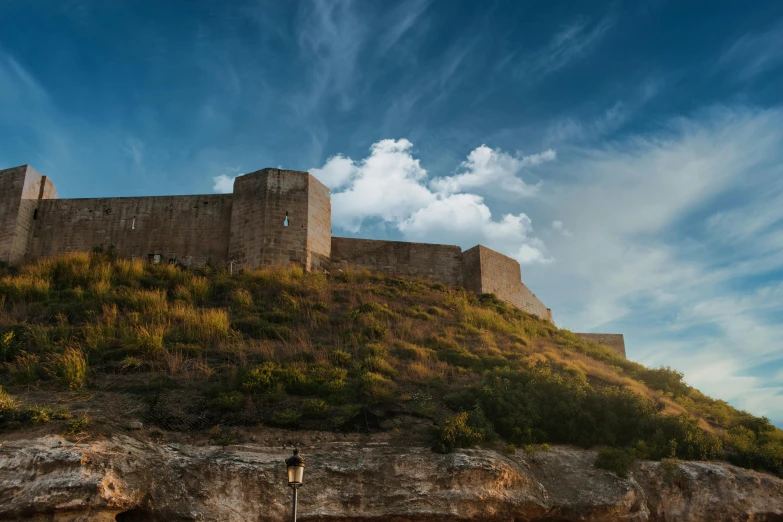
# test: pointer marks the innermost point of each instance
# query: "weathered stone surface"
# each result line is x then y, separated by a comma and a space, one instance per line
53, 479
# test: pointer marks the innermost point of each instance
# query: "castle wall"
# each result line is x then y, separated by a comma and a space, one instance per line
260, 234
194, 229
11, 185
274, 217
614, 341
471, 269
21, 188
319, 230
490, 272
437, 262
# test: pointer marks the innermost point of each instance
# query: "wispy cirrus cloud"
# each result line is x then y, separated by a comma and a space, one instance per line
401, 21
573, 41
676, 241
330, 36
754, 54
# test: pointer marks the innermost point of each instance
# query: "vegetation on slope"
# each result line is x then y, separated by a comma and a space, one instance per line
342, 352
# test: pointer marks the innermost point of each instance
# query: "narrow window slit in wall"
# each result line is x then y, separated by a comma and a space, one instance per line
133, 223
35, 214
285, 223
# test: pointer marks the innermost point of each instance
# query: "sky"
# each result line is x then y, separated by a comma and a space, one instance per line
628, 154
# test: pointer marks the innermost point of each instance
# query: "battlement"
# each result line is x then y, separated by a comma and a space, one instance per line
273, 217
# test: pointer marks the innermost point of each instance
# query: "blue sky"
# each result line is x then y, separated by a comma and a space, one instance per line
630, 155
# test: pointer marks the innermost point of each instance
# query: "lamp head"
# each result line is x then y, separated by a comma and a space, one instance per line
296, 466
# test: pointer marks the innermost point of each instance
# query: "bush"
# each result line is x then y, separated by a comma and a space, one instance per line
315, 407
375, 388
287, 417
619, 461
340, 357
411, 352
458, 431
77, 425
664, 379
379, 365
227, 401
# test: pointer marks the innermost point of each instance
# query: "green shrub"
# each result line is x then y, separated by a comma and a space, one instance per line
375, 331
379, 365
315, 407
272, 377
375, 388
231, 401
618, 461
411, 352
340, 357
457, 432
417, 312
664, 379
287, 417
77, 425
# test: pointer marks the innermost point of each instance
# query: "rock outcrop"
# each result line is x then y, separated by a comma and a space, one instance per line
125, 479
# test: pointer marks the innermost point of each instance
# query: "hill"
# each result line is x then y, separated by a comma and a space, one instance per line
91, 345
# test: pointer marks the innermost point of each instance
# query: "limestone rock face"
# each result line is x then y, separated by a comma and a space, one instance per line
125, 479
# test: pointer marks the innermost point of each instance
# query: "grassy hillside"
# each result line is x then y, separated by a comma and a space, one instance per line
205, 351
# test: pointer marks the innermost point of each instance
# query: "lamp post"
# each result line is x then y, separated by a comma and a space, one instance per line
295, 465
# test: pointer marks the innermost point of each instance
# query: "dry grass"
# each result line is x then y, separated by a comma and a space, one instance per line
388, 337
68, 368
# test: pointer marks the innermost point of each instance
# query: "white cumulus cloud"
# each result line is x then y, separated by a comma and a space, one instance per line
223, 184
494, 171
391, 185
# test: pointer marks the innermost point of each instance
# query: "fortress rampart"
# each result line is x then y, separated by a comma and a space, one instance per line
273, 217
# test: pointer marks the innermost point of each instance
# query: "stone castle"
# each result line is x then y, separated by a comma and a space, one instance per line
273, 217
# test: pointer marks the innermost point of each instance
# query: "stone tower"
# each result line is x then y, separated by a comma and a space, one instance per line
21, 190
280, 217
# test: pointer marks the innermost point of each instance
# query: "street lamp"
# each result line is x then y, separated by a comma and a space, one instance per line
295, 465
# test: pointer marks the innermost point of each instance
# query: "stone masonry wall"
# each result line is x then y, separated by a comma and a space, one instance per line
260, 234
437, 262
11, 185
614, 341
319, 225
274, 217
21, 188
471, 269
194, 229
487, 271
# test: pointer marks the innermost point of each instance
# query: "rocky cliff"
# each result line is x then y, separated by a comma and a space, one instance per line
124, 478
